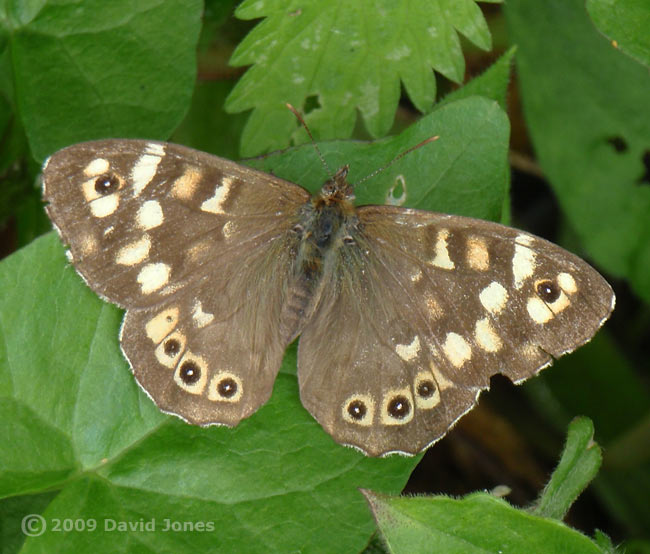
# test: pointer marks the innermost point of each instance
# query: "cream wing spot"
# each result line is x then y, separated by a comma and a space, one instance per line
135, 252
441, 258
97, 167
397, 407
150, 215
162, 324
359, 409
153, 277
525, 239
229, 229
105, 206
185, 186
567, 283
225, 386
88, 190
191, 374
88, 245
433, 307
214, 204
201, 318
560, 304
486, 337
478, 256
523, 262
457, 349
494, 297
538, 311
157, 149
145, 168
410, 351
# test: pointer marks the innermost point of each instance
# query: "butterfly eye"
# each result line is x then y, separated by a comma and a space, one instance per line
426, 389
172, 347
227, 388
190, 373
106, 184
357, 410
548, 291
399, 407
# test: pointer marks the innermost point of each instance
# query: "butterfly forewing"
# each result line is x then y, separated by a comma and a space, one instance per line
144, 219
199, 250
425, 309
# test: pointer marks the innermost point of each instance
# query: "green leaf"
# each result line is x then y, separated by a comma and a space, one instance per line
587, 109
581, 459
493, 83
478, 523
116, 68
599, 382
464, 172
625, 21
347, 56
79, 424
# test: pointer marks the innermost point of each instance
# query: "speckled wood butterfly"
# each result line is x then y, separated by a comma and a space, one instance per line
403, 314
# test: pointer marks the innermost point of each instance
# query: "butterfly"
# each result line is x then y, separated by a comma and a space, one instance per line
403, 315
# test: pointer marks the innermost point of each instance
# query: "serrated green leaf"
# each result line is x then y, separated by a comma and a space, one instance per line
478, 523
102, 69
625, 21
579, 464
492, 83
349, 55
588, 114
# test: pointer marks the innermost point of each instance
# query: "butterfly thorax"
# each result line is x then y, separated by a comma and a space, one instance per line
325, 221
325, 224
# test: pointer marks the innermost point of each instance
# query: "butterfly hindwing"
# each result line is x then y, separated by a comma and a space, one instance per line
437, 305
199, 250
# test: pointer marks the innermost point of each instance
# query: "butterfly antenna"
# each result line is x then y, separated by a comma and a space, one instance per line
396, 158
313, 142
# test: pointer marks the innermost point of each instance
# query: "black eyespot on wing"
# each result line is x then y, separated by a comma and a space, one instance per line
357, 410
172, 347
548, 291
399, 407
107, 184
426, 389
227, 387
190, 373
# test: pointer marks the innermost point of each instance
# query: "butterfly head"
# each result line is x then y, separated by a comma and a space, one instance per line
337, 190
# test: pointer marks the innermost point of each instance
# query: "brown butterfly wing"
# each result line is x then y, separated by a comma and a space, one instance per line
199, 250
169, 215
421, 309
